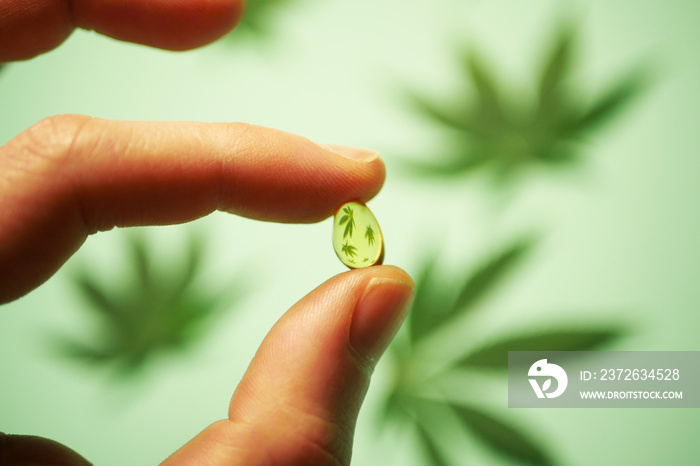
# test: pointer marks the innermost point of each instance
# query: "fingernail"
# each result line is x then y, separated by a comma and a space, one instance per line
378, 315
353, 153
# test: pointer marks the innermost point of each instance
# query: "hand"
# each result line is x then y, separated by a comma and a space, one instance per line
70, 176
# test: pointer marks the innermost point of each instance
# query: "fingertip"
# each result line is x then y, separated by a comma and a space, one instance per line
283, 177
385, 298
368, 161
30, 28
166, 24
360, 278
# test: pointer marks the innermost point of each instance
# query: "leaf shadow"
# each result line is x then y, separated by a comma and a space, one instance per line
506, 134
258, 21
156, 307
443, 298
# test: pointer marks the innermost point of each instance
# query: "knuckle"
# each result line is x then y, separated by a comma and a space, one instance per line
51, 140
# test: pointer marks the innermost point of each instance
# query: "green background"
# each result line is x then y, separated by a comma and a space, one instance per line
619, 234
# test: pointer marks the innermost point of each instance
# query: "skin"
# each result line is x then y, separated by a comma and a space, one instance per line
70, 176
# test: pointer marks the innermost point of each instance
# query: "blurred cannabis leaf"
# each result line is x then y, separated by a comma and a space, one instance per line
257, 18
159, 307
439, 304
503, 135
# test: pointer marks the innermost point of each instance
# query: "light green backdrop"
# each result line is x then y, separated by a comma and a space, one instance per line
620, 235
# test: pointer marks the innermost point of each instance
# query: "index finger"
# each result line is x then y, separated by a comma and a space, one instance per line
69, 176
31, 27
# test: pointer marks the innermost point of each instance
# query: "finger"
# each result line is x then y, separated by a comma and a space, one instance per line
300, 397
71, 175
31, 27
22, 450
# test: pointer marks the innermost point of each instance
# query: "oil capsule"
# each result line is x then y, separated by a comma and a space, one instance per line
357, 239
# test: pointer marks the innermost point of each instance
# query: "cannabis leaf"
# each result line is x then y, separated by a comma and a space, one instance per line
442, 299
433, 453
491, 131
495, 355
257, 18
349, 250
434, 306
158, 308
369, 234
349, 219
502, 436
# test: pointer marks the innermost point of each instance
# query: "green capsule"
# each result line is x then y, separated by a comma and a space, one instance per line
357, 239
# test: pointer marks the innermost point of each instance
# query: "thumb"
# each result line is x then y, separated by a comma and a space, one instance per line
299, 399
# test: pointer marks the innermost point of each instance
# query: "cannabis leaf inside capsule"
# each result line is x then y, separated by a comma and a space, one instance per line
357, 239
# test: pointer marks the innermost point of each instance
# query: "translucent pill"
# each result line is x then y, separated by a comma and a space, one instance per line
357, 239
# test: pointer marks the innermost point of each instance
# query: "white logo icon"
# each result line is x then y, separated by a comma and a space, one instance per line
543, 369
